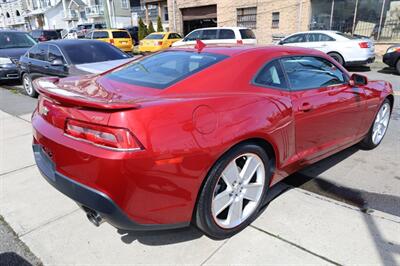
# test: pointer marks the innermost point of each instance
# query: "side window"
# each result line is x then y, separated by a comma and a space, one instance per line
33, 52
319, 37
55, 53
100, 35
209, 35
271, 75
171, 36
225, 34
295, 38
39, 53
307, 72
193, 36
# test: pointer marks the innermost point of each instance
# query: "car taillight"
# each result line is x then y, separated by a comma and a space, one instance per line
363, 44
112, 41
120, 139
158, 43
239, 41
140, 43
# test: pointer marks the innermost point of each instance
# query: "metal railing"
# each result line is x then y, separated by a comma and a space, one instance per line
95, 10
389, 31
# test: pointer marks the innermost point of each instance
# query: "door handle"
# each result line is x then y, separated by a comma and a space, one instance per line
305, 107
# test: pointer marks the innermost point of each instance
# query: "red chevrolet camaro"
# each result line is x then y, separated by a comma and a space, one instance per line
187, 135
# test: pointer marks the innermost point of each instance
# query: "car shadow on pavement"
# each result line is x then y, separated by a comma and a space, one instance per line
388, 70
309, 179
358, 68
12, 258
161, 237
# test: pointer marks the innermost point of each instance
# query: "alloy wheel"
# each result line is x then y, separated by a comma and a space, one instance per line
27, 83
238, 191
381, 123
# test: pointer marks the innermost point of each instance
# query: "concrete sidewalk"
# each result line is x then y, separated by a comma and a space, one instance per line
298, 227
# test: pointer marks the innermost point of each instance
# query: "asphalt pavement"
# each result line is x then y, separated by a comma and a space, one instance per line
342, 210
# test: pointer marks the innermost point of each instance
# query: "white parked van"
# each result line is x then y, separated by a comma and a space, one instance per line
219, 35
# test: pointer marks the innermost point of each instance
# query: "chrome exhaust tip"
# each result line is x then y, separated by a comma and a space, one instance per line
94, 218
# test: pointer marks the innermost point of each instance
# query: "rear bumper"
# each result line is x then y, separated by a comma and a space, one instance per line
361, 62
90, 198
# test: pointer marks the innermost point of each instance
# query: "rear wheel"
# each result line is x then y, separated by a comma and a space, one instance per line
338, 58
378, 128
233, 192
28, 86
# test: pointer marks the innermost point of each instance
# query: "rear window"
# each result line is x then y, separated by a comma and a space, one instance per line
247, 34
346, 36
92, 52
51, 33
164, 69
155, 37
15, 40
120, 34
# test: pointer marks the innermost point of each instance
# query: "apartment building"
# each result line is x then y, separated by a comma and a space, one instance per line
150, 10
271, 20
12, 14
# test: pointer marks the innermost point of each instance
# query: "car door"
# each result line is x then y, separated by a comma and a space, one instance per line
295, 40
320, 42
328, 112
58, 65
209, 36
38, 61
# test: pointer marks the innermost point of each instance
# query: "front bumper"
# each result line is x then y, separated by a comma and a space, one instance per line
361, 62
390, 59
9, 72
90, 198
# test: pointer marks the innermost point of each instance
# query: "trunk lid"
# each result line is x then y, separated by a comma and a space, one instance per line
95, 92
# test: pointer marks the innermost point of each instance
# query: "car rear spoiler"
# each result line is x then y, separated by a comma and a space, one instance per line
47, 87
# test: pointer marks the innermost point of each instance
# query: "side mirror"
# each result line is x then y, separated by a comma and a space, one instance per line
357, 79
281, 42
57, 62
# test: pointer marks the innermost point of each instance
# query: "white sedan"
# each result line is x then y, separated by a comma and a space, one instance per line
345, 49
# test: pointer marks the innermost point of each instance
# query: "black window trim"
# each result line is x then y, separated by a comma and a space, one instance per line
253, 80
289, 86
46, 56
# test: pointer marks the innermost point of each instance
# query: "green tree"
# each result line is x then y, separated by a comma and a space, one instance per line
159, 25
150, 28
142, 31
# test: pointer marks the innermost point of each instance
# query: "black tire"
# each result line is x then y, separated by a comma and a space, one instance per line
398, 66
28, 87
338, 58
367, 143
203, 214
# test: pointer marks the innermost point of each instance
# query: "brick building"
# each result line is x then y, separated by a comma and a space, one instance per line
272, 19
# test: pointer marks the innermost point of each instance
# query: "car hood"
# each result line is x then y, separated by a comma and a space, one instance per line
15, 53
100, 67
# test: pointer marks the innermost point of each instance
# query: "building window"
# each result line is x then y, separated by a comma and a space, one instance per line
247, 17
124, 4
166, 13
17, 13
275, 20
8, 15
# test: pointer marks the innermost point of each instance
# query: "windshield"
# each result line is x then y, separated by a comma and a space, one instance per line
92, 52
164, 69
154, 37
15, 40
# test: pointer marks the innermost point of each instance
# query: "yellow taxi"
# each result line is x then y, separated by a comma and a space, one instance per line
119, 38
158, 41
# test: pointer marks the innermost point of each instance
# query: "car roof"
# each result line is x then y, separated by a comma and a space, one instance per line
218, 28
11, 31
317, 31
108, 30
65, 42
232, 50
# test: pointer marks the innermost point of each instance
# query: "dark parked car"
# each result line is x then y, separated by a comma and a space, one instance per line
13, 44
45, 35
68, 58
392, 57
133, 31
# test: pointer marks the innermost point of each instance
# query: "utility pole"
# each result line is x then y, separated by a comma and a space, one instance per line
107, 13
